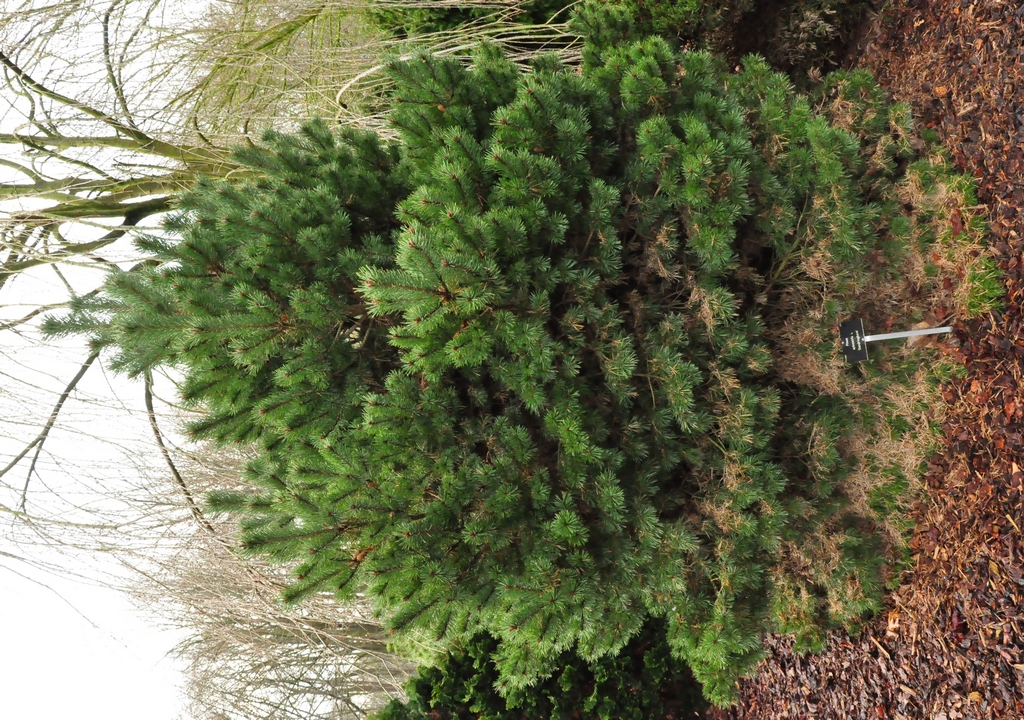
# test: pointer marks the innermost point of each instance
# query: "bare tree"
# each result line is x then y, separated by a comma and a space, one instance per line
248, 656
76, 150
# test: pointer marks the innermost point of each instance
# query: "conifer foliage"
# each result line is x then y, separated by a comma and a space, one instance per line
507, 372
643, 682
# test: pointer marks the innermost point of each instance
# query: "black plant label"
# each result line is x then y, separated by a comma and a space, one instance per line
851, 336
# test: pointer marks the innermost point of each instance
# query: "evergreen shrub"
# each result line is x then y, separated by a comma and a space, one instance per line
424, 19
508, 371
791, 34
643, 682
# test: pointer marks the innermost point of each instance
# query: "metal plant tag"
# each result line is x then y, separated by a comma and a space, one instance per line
855, 342
851, 335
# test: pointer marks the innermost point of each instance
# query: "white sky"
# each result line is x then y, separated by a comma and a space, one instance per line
110, 661
56, 664
73, 648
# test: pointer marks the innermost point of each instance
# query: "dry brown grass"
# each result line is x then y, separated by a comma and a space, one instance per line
930, 283
958, 246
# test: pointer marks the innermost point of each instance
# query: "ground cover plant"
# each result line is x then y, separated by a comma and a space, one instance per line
527, 369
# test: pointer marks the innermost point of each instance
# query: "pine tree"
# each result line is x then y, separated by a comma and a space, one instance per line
508, 373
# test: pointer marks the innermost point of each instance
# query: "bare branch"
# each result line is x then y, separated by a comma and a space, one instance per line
36, 520
115, 82
60, 275
43, 149
141, 141
193, 507
78, 210
64, 142
24, 170
46, 587
40, 439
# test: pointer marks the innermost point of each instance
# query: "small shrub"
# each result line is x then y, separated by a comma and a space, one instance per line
795, 35
642, 682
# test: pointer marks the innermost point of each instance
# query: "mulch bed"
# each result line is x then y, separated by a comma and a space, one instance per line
950, 644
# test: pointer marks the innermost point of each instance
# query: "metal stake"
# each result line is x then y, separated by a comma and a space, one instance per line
855, 342
908, 333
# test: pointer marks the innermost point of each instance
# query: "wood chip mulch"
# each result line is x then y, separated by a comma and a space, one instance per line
950, 644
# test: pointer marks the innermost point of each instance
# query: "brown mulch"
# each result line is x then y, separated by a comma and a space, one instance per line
950, 644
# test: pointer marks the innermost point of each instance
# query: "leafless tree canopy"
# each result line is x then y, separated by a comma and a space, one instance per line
248, 656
